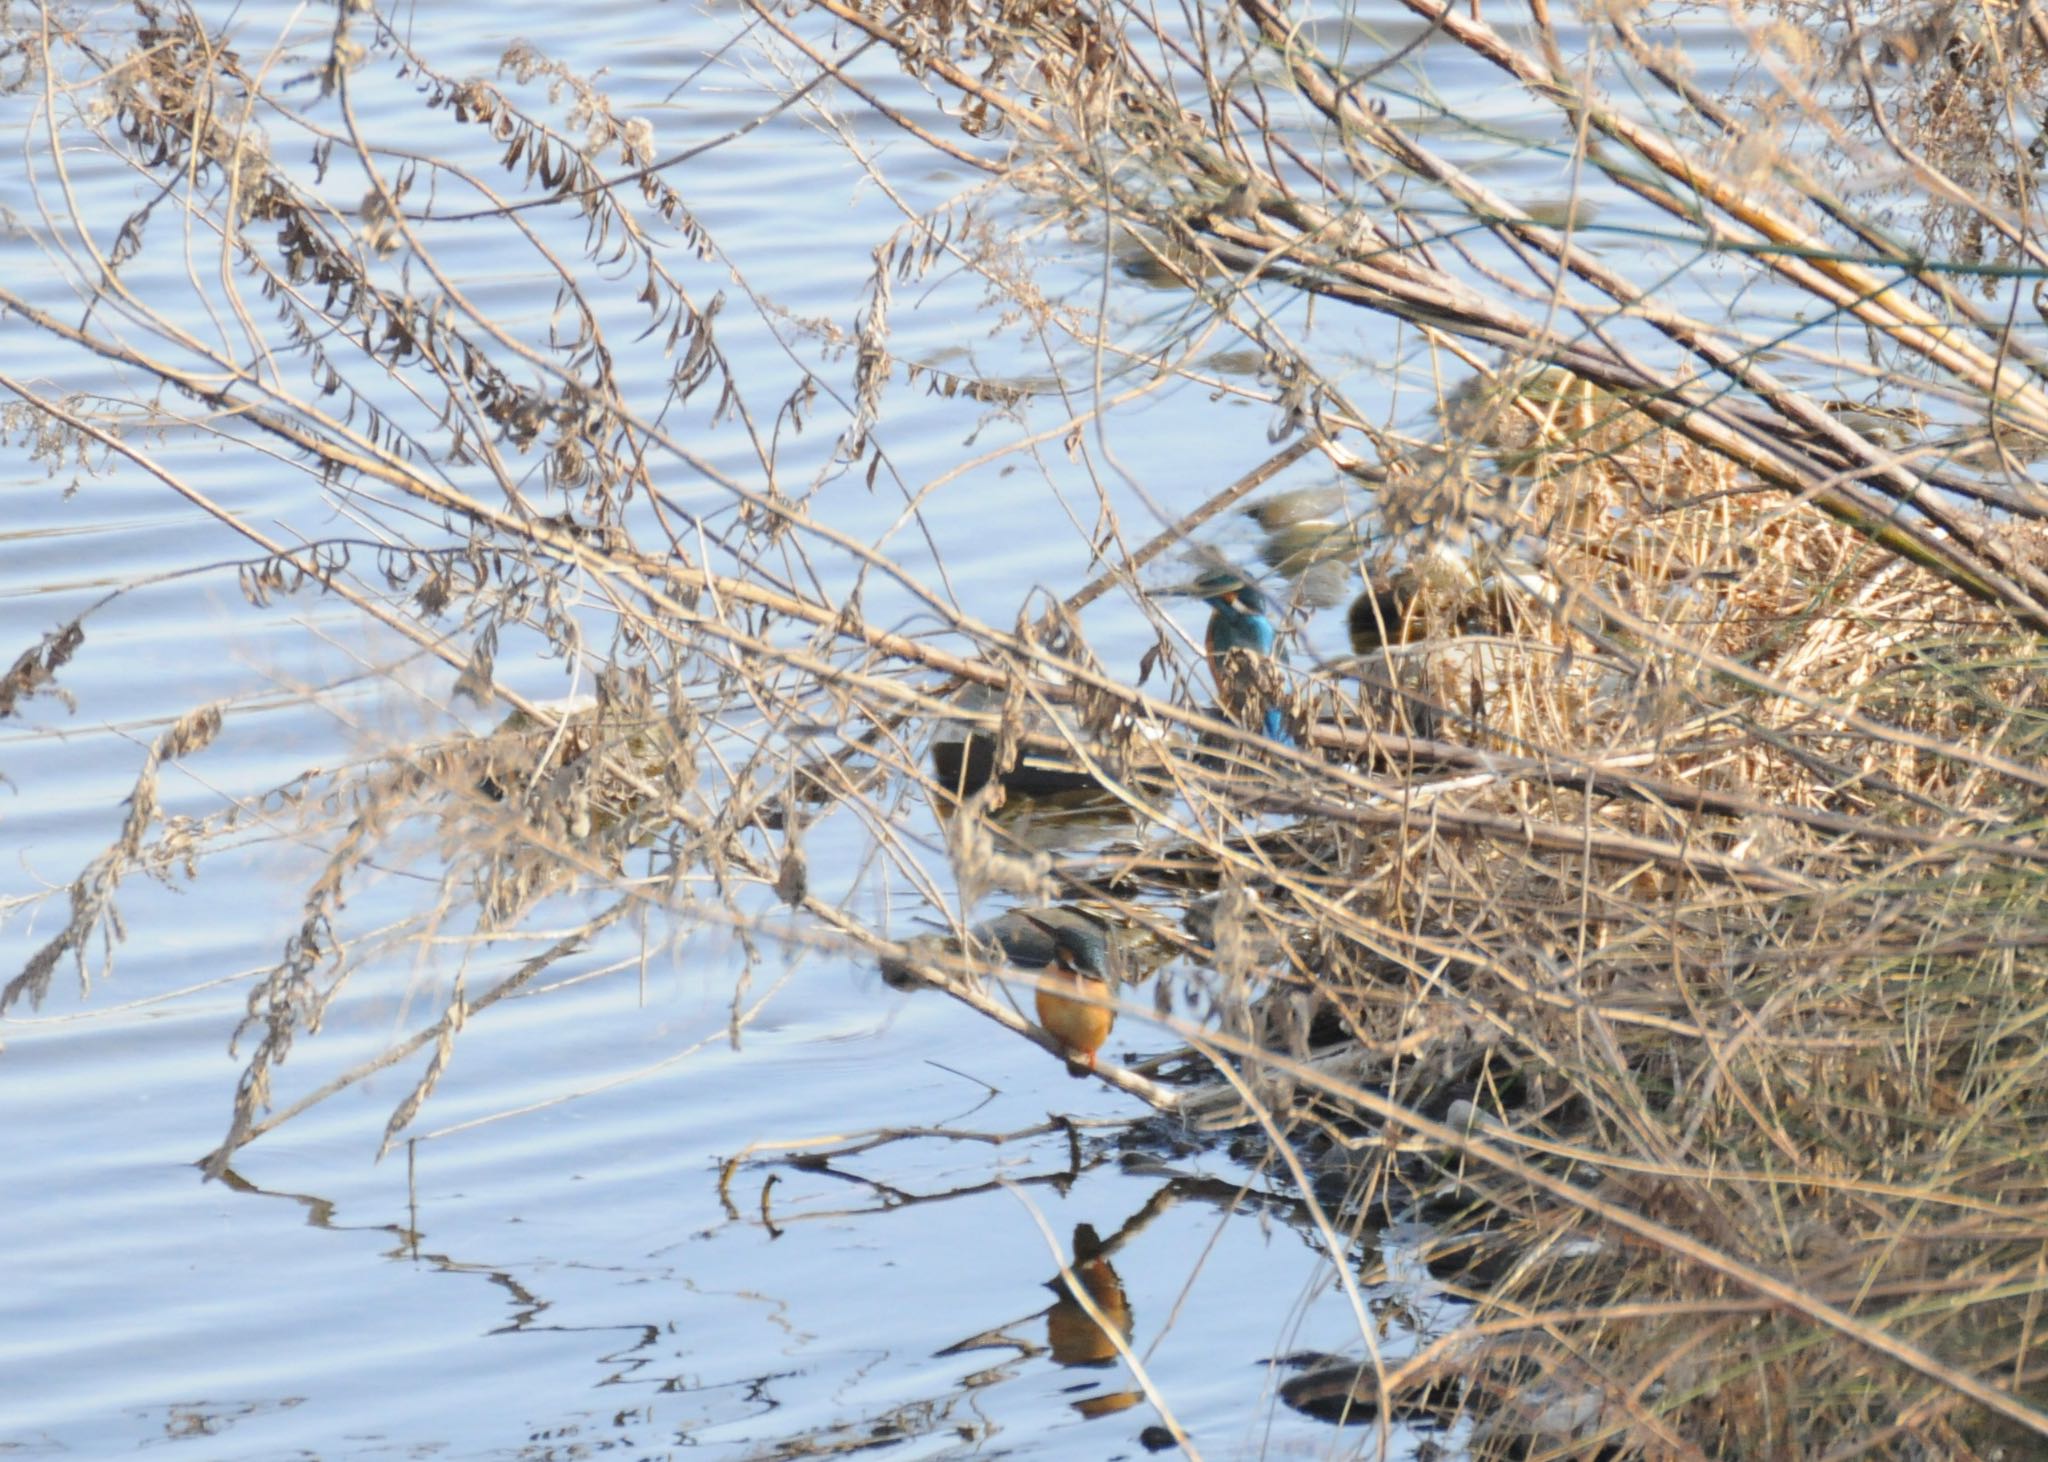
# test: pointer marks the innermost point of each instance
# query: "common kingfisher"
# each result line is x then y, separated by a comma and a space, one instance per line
1384, 616
1080, 966
1239, 619
1441, 596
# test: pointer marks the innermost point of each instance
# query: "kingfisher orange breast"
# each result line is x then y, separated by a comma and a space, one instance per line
1078, 1025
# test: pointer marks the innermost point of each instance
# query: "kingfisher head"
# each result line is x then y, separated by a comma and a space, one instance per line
1078, 948
1228, 590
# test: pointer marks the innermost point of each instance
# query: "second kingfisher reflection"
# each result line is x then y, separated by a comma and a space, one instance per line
1070, 1332
1239, 619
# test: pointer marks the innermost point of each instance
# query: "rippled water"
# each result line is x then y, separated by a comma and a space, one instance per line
561, 1265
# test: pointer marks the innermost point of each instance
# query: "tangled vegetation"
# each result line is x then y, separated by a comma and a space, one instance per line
1651, 900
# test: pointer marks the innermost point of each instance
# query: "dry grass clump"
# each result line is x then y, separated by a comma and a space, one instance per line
1804, 1045
1698, 572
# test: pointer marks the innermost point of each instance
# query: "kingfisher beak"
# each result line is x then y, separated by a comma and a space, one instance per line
1061, 960
1050, 931
1195, 590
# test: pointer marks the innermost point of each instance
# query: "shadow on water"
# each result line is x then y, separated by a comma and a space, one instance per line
1112, 1289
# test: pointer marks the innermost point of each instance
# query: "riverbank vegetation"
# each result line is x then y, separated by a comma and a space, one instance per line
1650, 900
